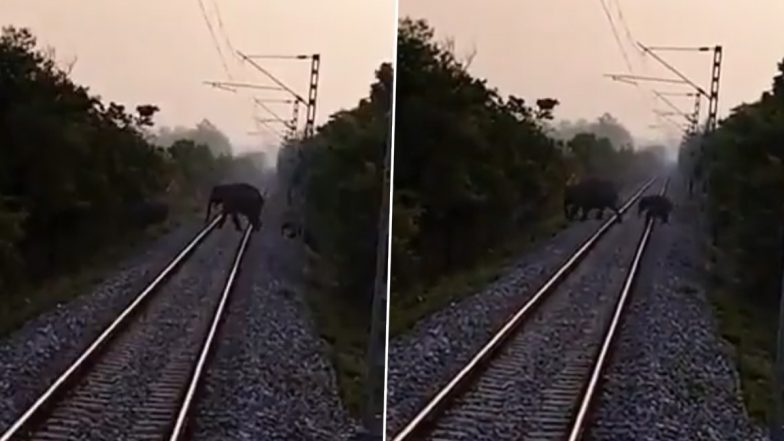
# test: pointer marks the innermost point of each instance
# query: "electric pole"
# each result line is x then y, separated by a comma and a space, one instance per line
310, 103
713, 99
695, 115
310, 121
694, 162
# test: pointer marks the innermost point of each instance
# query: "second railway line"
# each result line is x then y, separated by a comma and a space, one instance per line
528, 383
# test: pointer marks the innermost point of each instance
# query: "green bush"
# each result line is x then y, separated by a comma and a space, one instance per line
71, 166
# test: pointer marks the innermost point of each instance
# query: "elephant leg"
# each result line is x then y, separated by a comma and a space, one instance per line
236, 221
600, 213
255, 220
209, 209
585, 213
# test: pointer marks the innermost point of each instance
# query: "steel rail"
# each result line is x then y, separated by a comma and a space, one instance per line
437, 402
580, 420
107, 333
178, 432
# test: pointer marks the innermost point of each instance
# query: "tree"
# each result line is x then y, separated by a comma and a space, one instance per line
606, 126
470, 166
474, 169
70, 166
743, 161
205, 133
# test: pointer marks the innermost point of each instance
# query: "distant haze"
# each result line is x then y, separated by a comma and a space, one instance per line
562, 48
160, 52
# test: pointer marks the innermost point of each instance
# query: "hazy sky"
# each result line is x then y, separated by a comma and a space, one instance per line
562, 48
156, 51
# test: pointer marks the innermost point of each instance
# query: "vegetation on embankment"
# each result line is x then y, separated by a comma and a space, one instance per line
477, 175
79, 180
339, 180
743, 163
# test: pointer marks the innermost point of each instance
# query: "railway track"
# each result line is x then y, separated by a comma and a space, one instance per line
82, 402
476, 404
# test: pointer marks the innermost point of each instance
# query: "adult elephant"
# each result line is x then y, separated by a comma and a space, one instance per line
238, 198
590, 194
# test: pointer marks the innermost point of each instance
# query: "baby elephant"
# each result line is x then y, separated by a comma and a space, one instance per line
655, 206
236, 199
292, 230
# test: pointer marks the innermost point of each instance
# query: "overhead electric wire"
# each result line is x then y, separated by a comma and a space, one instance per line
269, 128
280, 57
682, 94
243, 85
641, 52
628, 31
672, 69
645, 98
672, 106
616, 36
272, 77
275, 100
679, 48
271, 112
214, 39
673, 123
222, 28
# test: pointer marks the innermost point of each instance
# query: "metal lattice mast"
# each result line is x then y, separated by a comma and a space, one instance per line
695, 116
310, 119
294, 119
713, 98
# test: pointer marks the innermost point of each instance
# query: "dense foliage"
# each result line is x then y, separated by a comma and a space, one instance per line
336, 183
341, 178
606, 126
71, 167
474, 169
745, 177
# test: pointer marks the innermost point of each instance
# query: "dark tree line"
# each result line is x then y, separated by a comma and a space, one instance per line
339, 174
72, 166
474, 169
741, 163
336, 183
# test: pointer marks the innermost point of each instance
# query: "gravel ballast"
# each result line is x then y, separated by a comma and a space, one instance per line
671, 376
32, 356
514, 394
268, 378
422, 360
